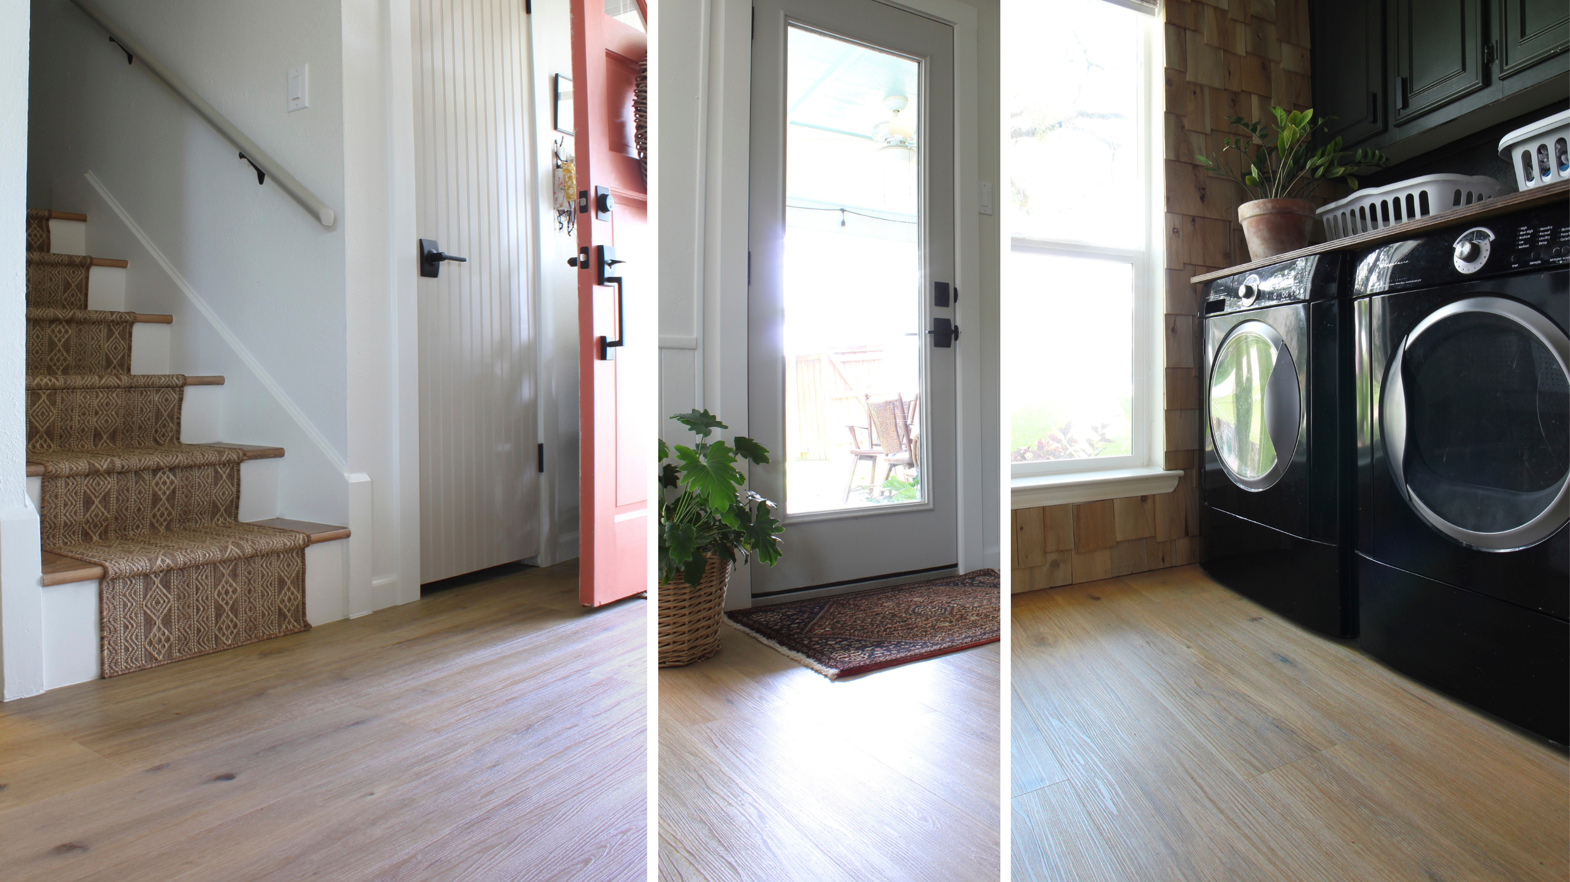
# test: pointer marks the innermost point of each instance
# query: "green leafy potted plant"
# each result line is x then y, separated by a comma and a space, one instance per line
707, 518
1279, 167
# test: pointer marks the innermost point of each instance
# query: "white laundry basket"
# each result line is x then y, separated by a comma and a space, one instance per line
1380, 207
1539, 153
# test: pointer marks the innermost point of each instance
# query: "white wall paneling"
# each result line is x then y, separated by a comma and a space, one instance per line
477, 329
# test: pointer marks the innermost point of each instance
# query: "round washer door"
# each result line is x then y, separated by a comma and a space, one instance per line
1255, 409
1476, 423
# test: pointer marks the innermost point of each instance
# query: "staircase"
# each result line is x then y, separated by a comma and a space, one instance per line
151, 552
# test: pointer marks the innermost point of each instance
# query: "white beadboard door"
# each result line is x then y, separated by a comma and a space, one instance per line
479, 487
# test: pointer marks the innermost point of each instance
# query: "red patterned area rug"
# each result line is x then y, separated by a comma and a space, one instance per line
870, 630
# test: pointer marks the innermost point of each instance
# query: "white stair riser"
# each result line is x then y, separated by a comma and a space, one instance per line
71, 651
258, 489
201, 419
149, 348
67, 236
106, 288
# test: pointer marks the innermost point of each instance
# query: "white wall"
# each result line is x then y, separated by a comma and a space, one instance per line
21, 598
704, 85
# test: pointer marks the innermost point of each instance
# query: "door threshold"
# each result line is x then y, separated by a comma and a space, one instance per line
829, 589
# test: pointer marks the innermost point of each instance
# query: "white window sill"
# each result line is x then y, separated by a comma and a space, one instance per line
1039, 490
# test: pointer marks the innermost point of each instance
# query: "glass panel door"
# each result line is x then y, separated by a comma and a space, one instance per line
852, 276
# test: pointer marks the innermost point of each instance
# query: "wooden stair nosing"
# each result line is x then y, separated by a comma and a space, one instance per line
109, 262
152, 318
252, 451
60, 570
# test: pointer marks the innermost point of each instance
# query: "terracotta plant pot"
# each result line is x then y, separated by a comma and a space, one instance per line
1276, 226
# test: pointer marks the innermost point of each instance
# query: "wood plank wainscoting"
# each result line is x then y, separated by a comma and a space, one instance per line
1224, 58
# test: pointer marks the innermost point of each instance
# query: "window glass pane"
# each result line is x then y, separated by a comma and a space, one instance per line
1068, 360
626, 12
852, 334
1071, 86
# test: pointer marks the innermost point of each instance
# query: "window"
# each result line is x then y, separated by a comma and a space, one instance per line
1082, 272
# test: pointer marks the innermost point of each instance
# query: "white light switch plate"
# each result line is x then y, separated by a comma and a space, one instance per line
299, 87
986, 198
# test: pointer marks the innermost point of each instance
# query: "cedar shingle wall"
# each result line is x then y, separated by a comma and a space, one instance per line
1223, 58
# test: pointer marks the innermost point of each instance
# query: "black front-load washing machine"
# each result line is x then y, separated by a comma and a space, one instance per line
1277, 475
1463, 445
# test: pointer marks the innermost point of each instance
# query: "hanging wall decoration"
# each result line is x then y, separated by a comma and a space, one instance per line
564, 188
640, 117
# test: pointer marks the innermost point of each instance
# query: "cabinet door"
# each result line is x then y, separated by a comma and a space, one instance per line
1349, 68
1439, 54
1530, 31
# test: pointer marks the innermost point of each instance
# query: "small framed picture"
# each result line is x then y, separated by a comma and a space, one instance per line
563, 104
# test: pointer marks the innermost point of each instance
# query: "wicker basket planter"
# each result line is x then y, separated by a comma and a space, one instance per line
690, 616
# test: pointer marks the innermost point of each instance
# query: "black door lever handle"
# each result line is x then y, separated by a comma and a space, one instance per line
431, 258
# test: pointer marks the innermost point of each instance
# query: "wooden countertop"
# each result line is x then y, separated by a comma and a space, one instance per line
1532, 198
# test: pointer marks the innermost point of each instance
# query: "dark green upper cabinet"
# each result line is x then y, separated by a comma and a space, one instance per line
1439, 54
1409, 76
1349, 71
1530, 31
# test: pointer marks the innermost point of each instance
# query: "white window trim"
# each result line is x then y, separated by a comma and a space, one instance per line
1141, 473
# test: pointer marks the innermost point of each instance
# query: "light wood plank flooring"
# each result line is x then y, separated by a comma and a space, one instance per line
494, 731
771, 771
1167, 728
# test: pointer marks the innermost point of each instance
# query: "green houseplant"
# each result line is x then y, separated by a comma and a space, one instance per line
707, 518
1280, 168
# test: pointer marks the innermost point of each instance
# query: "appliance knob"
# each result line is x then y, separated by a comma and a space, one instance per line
1247, 293
1471, 250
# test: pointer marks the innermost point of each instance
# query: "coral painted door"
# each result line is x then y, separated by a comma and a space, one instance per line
616, 320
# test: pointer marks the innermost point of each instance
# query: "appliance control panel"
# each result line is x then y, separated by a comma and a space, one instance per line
1528, 241
1307, 278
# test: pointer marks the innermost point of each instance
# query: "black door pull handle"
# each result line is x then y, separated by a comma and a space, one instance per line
605, 348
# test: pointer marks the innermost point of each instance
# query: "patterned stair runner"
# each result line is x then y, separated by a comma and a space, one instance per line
183, 576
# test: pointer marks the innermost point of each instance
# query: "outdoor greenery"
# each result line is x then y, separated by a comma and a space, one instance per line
704, 508
1280, 163
1038, 434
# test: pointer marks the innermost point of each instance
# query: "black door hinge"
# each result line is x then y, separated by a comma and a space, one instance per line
542, 457
1490, 51
528, 7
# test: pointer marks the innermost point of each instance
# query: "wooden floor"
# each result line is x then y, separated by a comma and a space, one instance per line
1166, 728
494, 731
771, 771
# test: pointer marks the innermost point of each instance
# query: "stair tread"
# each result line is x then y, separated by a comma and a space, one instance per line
190, 380
252, 451
59, 569
149, 318
97, 261
63, 215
